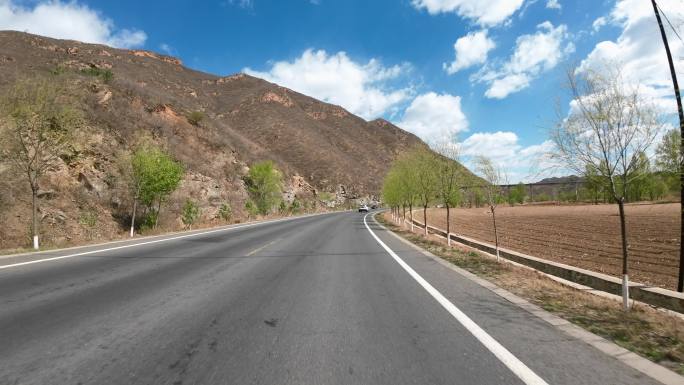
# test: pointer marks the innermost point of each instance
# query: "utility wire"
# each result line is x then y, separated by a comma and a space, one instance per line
668, 22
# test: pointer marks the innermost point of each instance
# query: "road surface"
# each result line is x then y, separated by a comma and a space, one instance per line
313, 300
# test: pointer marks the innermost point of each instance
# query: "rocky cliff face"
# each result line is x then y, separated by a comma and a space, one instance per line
323, 150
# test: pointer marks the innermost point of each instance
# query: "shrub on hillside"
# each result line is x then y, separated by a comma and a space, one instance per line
264, 184
191, 213
295, 206
195, 117
104, 74
225, 212
251, 208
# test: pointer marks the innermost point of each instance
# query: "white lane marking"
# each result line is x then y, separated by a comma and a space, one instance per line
150, 242
258, 249
507, 358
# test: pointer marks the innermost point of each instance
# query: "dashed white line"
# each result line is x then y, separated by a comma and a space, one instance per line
149, 242
258, 249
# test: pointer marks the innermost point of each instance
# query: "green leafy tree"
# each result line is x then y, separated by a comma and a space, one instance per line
37, 122
407, 175
667, 152
191, 213
641, 181
392, 193
449, 177
595, 183
420, 168
668, 159
264, 184
477, 197
657, 187
517, 194
169, 174
154, 175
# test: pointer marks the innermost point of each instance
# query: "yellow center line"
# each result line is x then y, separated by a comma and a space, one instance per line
262, 247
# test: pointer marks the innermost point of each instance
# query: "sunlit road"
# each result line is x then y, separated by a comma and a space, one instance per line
313, 300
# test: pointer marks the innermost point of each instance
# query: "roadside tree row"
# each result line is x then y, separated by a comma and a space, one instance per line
422, 177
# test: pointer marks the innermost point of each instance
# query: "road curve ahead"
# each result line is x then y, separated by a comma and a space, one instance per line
312, 300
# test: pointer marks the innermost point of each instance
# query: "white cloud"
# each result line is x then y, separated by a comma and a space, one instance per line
519, 163
67, 20
247, 4
435, 117
483, 12
127, 39
168, 49
599, 23
498, 146
504, 86
553, 4
639, 49
360, 88
471, 49
533, 55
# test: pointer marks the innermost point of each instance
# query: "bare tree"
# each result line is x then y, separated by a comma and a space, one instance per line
492, 175
608, 130
36, 124
449, 176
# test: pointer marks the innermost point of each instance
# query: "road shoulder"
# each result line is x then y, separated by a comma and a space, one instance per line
640, 364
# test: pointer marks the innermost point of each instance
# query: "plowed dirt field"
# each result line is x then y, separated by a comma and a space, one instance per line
586, 236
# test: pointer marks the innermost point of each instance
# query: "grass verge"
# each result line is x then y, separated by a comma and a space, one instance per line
652, 334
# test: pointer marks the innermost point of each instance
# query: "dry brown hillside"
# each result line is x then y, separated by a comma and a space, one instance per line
320, 147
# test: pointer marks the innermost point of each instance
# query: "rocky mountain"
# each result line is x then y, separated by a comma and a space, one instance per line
327, 154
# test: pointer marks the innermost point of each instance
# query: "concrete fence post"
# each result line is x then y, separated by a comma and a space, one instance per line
625, 292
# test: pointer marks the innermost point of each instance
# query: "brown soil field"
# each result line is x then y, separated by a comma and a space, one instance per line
585, 236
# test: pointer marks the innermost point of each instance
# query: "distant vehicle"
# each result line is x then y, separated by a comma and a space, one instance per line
363, 209
374, 206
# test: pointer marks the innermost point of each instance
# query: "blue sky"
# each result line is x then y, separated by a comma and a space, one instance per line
497, 94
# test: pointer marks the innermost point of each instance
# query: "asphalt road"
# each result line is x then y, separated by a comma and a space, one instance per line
314, 300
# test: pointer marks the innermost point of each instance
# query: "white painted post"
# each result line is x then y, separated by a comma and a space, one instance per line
448, 239
35, 242
625, 292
